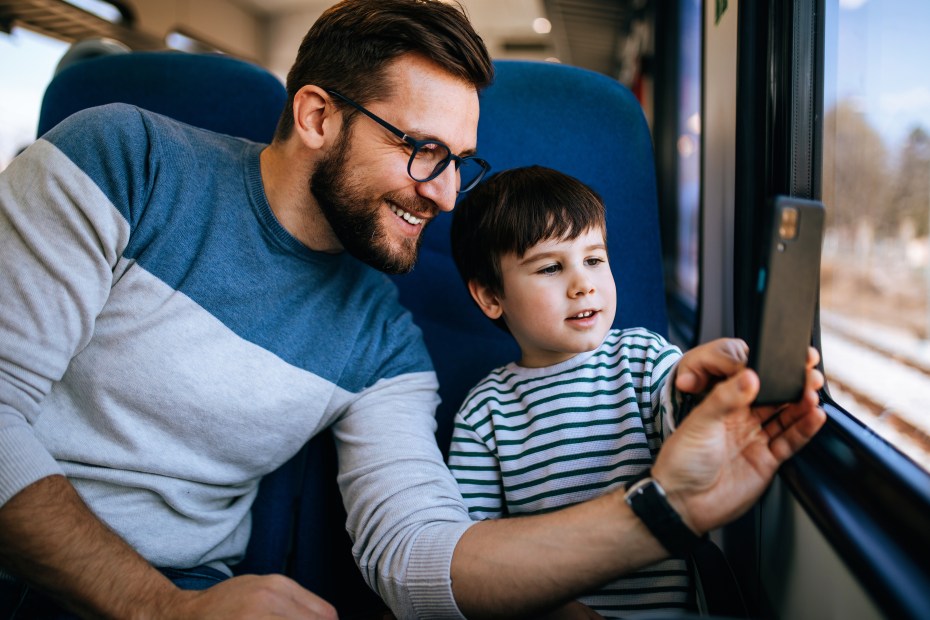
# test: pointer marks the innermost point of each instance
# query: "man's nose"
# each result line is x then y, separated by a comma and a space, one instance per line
443, 189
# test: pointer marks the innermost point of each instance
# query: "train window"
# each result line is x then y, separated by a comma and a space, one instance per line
180, 40
28, 63
677, 136
875, 282
688, 148
101, 8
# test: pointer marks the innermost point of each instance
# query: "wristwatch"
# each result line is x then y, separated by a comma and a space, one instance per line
647, 498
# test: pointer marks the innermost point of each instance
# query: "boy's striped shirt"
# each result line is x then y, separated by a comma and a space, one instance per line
532, 440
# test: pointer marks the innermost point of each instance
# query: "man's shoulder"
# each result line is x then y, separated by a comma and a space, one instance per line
119, 125
110, 118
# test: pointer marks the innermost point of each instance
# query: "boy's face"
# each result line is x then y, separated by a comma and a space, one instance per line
559, 298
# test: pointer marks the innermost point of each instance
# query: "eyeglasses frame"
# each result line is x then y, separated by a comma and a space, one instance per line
418, 144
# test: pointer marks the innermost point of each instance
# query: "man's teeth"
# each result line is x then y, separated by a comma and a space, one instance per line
584, 315
410, 218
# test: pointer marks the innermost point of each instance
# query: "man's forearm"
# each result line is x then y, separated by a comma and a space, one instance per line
522, 565
50, 539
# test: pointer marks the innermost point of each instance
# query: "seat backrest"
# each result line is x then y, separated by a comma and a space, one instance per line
585, 125
216, 92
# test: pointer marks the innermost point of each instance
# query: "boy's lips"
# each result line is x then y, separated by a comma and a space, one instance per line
584, 314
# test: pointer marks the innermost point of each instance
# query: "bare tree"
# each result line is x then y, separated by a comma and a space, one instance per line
856, 172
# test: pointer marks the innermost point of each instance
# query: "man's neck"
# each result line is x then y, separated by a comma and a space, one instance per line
286, 168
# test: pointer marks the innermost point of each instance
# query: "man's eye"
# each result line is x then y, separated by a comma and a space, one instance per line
431, 152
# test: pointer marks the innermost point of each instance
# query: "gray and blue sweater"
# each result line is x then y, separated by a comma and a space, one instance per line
165, 342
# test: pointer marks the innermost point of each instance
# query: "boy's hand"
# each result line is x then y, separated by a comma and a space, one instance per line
701, 368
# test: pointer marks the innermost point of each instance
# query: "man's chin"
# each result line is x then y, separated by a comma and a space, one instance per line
389, 263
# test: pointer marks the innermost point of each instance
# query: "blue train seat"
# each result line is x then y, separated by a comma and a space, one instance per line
213, 91
574, 120
585, 125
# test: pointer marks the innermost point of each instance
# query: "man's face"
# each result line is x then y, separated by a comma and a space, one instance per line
559, 298
375, 209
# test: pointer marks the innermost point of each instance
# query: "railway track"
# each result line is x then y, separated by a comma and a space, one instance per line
888, 383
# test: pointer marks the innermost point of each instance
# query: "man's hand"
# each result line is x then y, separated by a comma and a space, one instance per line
251, 596
726, 452
50, 539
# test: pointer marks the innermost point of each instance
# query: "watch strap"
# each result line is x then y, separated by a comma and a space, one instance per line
647, 499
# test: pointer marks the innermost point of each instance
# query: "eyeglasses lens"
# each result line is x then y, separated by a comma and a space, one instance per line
430, 159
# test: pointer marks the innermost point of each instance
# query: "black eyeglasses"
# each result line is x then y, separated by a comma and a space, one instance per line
428, 158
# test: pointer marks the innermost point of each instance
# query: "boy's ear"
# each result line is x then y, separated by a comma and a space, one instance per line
488, 302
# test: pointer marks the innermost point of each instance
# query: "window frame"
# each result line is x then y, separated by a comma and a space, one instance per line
871, 503
868, 500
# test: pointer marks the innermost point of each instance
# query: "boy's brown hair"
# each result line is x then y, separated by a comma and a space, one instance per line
513, 211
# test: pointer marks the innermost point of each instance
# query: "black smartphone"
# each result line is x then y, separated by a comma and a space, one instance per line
786, 298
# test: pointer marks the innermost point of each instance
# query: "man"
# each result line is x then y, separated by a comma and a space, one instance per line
182, 310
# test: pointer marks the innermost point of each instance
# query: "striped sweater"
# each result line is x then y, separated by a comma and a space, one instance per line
532, 440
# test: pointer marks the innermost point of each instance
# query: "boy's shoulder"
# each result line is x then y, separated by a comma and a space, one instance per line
634, 336
491, 389
638, 345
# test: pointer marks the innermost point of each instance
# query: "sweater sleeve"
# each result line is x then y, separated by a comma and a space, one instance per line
405, 512
61, 239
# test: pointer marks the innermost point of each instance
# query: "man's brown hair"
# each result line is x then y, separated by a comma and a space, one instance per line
348, 48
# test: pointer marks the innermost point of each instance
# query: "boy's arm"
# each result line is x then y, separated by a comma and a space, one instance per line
476, 470
664, 399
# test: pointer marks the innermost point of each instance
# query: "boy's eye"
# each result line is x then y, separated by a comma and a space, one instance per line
593, 261
550, 270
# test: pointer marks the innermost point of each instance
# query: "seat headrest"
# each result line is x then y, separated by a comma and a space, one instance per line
216, 92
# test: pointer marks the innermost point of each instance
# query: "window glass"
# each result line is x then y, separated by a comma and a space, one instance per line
689, 153
100, 8
27, 63
179, 40
875, 282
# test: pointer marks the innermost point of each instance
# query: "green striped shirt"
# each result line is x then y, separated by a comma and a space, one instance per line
532, 440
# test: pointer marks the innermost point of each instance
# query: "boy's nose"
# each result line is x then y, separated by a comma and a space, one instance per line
581, 285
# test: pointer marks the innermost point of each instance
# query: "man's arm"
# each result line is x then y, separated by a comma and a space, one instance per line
50, 538
714, 467
59, 242
523, 566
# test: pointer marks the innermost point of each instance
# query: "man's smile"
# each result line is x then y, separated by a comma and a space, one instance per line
407, 216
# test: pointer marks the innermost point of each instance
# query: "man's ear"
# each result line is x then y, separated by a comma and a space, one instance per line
488, 301
315, 116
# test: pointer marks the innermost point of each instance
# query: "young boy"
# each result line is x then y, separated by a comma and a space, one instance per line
586, 407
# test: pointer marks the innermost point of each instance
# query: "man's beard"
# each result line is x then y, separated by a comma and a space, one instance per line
356, 221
